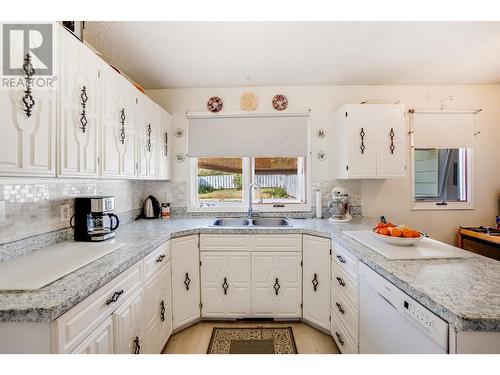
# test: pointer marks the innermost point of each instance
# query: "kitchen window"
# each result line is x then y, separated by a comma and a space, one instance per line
230, 153
441, 156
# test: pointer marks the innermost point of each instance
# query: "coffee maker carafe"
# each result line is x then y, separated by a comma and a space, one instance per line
94, 219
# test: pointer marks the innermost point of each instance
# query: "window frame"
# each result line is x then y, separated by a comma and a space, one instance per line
468, 204
247, 171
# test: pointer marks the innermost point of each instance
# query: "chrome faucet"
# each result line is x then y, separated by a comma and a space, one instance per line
251, 212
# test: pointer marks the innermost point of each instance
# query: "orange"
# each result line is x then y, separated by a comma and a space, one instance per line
384, 231
415, 234
389, 225
408, 233
395, 232
381, 225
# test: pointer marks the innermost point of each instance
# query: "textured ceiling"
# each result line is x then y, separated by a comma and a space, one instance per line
224, 54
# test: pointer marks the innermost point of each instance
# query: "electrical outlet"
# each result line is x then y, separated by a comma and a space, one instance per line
65, 212
2, 212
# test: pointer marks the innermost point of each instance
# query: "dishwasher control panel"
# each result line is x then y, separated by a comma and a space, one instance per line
420, 315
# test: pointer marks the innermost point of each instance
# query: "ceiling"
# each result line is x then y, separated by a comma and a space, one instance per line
228, 54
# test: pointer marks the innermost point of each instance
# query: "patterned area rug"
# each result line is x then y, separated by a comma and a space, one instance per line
252, 341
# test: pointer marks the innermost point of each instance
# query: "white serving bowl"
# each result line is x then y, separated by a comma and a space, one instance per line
398, 241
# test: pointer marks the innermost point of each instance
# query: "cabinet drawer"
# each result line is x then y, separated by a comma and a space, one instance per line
345, 260
76, 324
278, 242
346, 284
154, 261
225, 242
345, 312
341, 337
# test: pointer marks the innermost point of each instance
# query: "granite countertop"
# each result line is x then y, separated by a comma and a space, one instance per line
464, 292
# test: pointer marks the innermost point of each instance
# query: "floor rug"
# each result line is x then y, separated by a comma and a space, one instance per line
252, 341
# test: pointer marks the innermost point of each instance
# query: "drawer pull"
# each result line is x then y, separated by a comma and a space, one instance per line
340, 281
277, 286
225, 285
137, 345
160, 258
187, 281
315, 282
341, 258
339, 337
114, 297
162, 311
340, 308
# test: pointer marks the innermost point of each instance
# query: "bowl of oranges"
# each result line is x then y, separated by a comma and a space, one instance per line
400, 235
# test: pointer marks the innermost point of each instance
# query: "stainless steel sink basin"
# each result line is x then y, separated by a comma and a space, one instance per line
271, 222
259, 222
231, 222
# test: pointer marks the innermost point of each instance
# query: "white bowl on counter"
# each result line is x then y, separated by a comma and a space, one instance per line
398, 241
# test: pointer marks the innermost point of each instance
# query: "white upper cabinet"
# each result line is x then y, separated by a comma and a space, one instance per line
28, 131
79, 100
370, 141
119, 114
316, 281
164, 145
148, 120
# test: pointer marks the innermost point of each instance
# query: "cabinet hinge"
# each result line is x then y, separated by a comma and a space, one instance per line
200, 263
136, 166
346, 167
301, 305
330, 251
330, 318
98, 160
346, 114
201, 305
136, 101
302, 263
98, 73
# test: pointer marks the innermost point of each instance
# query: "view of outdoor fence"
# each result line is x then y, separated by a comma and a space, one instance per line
227, 181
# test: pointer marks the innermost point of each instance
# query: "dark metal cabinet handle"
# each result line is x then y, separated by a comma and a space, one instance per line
315, 282
29, 71
340, 281
340, 308
160, 258
114, 297
148, 143
225, 285
83, 115
162, 311
339, 337
392, 134
277, 286
362, 135
341, 258
187, 281
166, 144
122, 122
137, 345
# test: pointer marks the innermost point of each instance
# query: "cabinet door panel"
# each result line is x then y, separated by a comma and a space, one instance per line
389, 120
225, 284
128, 322
78, 134
316, 286
362, 133
185, 280
276, 284
99, 342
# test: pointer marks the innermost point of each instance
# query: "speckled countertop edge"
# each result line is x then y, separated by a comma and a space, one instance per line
144, 236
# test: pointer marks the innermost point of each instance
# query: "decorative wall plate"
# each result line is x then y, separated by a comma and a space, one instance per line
215, 104
321, 133
179, 132
321, 155
280, 102
248, 101
180, 157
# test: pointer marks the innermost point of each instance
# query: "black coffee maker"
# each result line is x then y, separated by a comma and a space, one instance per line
94, 219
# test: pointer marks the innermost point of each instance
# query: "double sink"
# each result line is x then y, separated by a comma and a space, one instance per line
269, 222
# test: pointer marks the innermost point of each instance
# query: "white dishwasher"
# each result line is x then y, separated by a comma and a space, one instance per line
390, 321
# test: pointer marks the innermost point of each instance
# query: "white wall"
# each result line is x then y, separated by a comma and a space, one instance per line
386, 197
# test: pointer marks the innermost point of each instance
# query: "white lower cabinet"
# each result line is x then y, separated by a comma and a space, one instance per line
185, 280
276, 284
316, 281
128, 325
158, 311
225, 285
99, 342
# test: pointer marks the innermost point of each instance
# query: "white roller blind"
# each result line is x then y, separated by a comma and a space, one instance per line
443, 129
253, 135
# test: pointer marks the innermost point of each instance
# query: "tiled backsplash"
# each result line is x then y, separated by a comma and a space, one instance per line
34, 207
